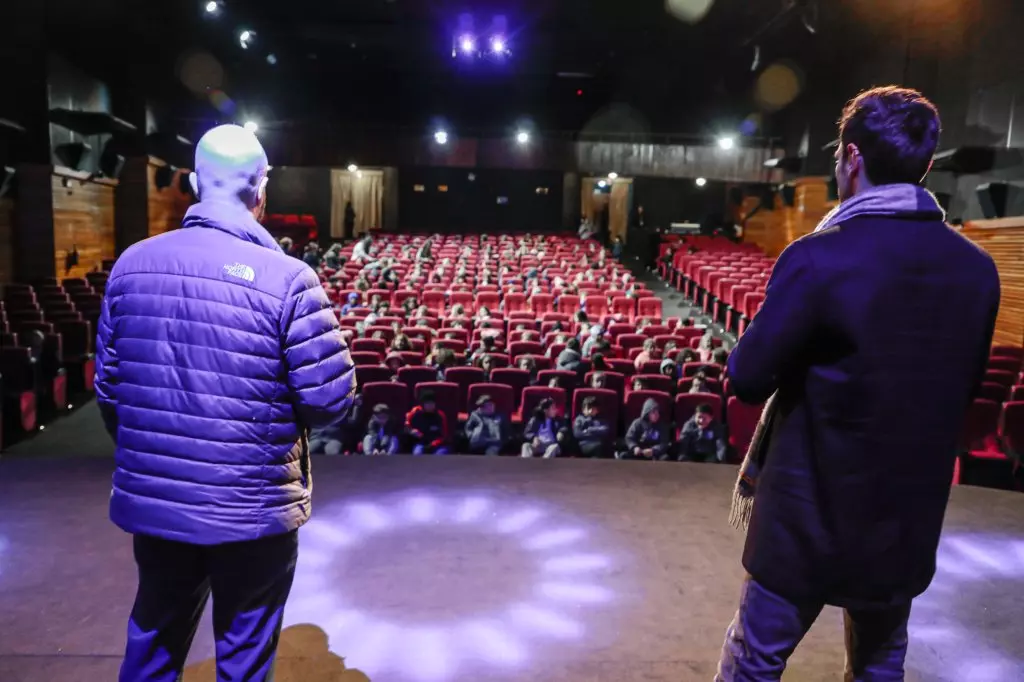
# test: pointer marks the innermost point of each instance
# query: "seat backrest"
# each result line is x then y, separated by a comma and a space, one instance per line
532, 395
501, 394
999, 376
635, 404
525, 348
413, 376
687, 404
569, 303
516, 379
1008, 352
464, 377
368, 374
395, 396
378, 346
1004, 364
1011, 427
630, 341
648, 307
655, 381
993, 391
446, 395
711, 371
980, 423
566, 379
366, 357
741, 420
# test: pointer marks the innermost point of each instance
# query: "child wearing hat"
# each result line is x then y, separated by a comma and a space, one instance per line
380, 438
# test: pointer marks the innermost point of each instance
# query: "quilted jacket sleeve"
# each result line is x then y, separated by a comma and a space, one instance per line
320, 372
106, 369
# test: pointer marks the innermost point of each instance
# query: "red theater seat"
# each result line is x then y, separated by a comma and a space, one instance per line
741, 419
501, 394
687, 404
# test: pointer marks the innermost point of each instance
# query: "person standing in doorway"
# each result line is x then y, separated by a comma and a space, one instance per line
215, 354
350, 220
845, 492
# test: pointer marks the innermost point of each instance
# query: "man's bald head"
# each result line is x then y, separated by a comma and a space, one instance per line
230, 166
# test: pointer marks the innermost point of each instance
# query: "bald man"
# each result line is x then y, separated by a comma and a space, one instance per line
216, 353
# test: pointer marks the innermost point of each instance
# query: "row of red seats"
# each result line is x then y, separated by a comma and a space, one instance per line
740, 419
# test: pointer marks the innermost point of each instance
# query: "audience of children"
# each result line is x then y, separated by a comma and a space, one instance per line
426, 428
592, 433
702, 439
545, 434
380, 438
487, 431
647, 438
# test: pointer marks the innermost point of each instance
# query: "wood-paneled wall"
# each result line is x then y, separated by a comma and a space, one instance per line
167, 206
6, 240
83, 219
1003, 239
774, 229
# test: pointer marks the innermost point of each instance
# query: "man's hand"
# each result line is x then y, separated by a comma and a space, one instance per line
649, 452
637, 452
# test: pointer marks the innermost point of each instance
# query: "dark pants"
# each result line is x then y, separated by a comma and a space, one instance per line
250, 582
767, 629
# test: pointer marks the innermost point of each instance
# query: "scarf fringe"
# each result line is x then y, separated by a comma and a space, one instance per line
741, 511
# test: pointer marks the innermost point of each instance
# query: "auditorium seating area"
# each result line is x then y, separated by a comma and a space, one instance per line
728, 281
47, 334
528, 295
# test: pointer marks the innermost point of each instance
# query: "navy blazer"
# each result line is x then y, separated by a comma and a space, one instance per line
875, 335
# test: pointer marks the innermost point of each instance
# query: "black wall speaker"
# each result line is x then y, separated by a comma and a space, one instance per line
184, 185
767, 196
7, 181
735, 196
111, 163
788, 194
164, 176
833, 189
993, 196
72, 154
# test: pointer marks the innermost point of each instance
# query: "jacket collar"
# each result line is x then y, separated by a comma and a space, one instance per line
231, 219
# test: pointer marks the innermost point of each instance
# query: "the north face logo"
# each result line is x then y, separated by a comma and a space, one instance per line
240, 271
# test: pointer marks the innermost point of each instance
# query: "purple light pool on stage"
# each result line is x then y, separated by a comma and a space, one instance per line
443, 586
973, 574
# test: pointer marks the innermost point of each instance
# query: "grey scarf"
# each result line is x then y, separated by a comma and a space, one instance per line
892, 201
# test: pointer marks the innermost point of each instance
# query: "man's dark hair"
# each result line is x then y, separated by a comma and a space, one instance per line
589, 403
896, 130
704, 408
573, 344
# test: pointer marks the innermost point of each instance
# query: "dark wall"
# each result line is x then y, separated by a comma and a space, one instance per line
669, 200
294, 189
472, 204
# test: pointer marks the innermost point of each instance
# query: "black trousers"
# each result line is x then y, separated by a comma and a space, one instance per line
250, 582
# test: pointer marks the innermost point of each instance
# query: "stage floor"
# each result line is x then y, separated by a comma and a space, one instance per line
467, 569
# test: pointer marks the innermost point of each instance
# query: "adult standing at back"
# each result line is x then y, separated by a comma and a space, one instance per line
216, 352
873, 337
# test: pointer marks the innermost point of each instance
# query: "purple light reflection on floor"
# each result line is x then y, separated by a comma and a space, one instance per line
973, 572
374, 632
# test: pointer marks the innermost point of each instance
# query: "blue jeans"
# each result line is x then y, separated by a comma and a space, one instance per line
250, 582
767, 629
429, 450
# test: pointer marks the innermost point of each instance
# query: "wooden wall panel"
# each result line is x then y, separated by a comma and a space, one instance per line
774, 230
167, 206
1003, 239
6, 240
83, 218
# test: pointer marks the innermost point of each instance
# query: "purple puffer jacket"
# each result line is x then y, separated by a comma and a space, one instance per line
215, 352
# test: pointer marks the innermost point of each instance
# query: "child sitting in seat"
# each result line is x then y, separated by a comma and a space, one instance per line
702, 439
545, 432
394, 362
700, 383
646, 438
591, 432
426, 427
352, 304
649, 352
380, 438
486, 430
528, 364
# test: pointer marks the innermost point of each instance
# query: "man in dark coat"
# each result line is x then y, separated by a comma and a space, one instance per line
873, 337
